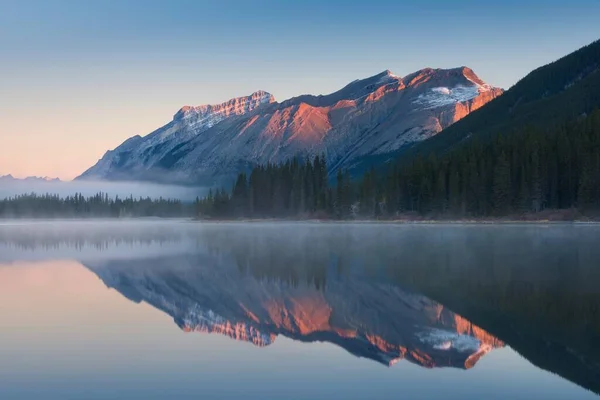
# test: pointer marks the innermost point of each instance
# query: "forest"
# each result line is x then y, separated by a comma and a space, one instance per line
97, 206
525, 171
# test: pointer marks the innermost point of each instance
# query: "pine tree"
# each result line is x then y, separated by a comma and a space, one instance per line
502, 185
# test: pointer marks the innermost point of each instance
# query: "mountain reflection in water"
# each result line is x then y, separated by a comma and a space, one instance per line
436, 296
378, 321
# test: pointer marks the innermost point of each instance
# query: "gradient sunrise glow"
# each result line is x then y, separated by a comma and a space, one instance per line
81, 77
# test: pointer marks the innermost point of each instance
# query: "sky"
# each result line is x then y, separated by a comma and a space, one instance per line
80, 77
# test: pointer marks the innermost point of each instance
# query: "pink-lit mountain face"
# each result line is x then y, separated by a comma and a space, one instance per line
367, 117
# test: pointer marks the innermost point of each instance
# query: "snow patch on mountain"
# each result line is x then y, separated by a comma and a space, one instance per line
388, 76
443, 96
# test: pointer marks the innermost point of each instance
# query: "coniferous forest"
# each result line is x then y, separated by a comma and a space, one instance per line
525, 171
97, 206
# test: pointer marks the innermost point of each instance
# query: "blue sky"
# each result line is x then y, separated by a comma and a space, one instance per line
81, 76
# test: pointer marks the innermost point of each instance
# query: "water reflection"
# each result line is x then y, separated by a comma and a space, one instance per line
368, 319
436, 296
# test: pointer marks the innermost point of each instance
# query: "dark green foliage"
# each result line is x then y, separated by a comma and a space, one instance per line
525, 171
501, 193
97, 206
295, 188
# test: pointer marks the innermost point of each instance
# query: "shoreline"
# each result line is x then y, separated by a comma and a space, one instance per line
549, 216
402, 222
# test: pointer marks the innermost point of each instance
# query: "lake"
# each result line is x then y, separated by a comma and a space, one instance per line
155, 309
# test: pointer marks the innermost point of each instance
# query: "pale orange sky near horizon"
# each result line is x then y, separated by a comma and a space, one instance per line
79, 78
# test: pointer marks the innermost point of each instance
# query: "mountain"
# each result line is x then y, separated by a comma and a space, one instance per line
376, 115
370, 320
548, 96
532, 150
10, 178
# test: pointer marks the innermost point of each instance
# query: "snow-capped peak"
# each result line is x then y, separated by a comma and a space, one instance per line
235, 106
206, 116
446, 87
387, 76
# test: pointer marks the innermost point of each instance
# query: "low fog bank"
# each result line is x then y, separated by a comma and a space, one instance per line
90, 188
309, 244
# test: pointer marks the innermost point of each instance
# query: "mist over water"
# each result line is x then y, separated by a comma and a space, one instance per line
163, 309
90, 188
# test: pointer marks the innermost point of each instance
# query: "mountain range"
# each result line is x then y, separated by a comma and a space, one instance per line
382, 114
10, 178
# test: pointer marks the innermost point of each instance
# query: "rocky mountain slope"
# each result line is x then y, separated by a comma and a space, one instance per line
377, 115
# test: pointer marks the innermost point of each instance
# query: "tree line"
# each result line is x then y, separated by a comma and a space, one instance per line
99, 205
291, 189
527, 170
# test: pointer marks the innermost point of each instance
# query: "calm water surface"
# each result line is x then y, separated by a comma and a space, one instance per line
173, 309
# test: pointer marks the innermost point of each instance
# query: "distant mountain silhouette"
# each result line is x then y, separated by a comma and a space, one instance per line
29, 179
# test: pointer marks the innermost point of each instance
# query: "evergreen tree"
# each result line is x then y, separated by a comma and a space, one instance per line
502, 185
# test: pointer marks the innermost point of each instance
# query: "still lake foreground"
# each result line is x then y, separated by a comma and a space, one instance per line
174, 309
